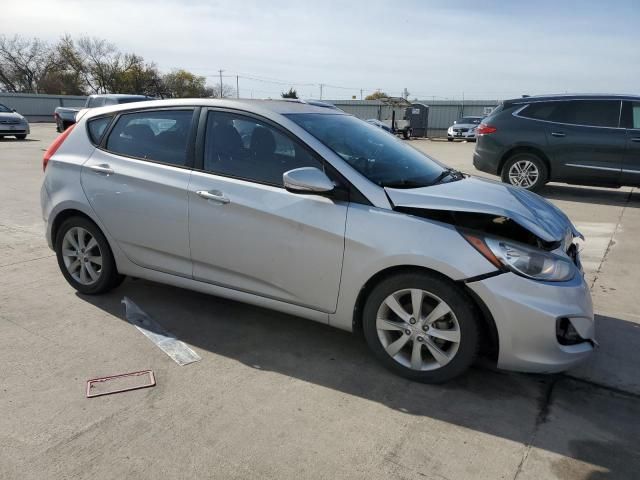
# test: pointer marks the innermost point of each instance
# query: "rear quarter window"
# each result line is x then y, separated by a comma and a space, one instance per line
97, 127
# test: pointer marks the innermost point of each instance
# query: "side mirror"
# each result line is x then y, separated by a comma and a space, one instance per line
307, 180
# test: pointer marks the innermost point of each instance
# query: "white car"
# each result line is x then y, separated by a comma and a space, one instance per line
312, 212
464, 129
12, 124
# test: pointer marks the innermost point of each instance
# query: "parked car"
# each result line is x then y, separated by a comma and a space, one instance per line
578, 139
66, 116
464, 129
321, 215
380, 124
12, 124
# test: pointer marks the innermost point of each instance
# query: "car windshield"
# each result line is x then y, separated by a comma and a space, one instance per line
384, 159
468, 121
4, 109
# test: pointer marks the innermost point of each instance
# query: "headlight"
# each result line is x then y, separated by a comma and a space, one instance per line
522, 259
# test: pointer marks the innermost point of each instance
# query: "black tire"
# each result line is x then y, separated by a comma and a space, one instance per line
108, 278
449, 139
543, 171
461, 306
21, 137
406, 134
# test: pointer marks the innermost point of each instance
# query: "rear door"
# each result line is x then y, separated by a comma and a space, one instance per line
631, 166
585, 143
136, 182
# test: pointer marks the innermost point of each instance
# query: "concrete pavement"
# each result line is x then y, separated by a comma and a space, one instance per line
279, 397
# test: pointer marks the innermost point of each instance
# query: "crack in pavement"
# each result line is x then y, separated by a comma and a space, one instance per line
611, 240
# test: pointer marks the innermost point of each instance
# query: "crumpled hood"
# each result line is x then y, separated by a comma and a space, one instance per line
473, 194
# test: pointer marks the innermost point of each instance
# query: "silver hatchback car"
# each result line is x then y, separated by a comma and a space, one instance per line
312, 212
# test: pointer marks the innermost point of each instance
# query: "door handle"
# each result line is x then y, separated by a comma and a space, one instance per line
102, 168
636, 139
558, 134
215, 195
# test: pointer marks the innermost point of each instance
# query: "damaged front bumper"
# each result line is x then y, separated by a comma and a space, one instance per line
542, 327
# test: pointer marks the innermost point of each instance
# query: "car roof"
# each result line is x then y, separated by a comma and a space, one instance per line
282, 107
569, 96
118, 95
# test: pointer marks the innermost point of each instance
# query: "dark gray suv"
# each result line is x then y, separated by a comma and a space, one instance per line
579, 139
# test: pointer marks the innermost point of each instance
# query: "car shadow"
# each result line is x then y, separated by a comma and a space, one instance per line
601, 196
502, 404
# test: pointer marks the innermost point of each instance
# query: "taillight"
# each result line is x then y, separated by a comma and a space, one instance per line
53, 148
484, 129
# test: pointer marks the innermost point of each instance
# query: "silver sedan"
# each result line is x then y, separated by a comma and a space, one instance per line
310, 211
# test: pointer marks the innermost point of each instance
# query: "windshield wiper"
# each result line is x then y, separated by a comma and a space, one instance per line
449, 172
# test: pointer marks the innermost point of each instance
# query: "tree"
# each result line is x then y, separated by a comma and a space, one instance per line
290, 94
25, 63
183, 84
377, 95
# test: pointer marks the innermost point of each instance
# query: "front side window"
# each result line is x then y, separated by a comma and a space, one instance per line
161, 136
382, 158
244, 147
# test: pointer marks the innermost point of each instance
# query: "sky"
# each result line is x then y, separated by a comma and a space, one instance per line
482, 49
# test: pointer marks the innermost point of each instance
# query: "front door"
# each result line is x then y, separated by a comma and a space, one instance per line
250, 234
137, 184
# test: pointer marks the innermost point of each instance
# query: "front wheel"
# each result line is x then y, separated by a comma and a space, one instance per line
85, 258
449, 139
525, 170
21, 137
421, 326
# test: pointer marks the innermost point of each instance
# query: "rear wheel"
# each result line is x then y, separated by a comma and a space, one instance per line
525, 170
421, 327
85, 258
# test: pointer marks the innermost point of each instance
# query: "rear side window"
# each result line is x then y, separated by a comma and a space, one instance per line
95, 102
97, 127
591, 113
161, 136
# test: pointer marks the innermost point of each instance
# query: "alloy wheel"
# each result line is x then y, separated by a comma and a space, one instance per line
418, 329
82, 256
523, 173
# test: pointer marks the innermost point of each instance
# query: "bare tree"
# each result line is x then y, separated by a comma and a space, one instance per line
25, 63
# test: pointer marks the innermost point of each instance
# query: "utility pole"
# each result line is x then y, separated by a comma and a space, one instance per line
321, 91
220, 82
463, 104
360, 94
237, 87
